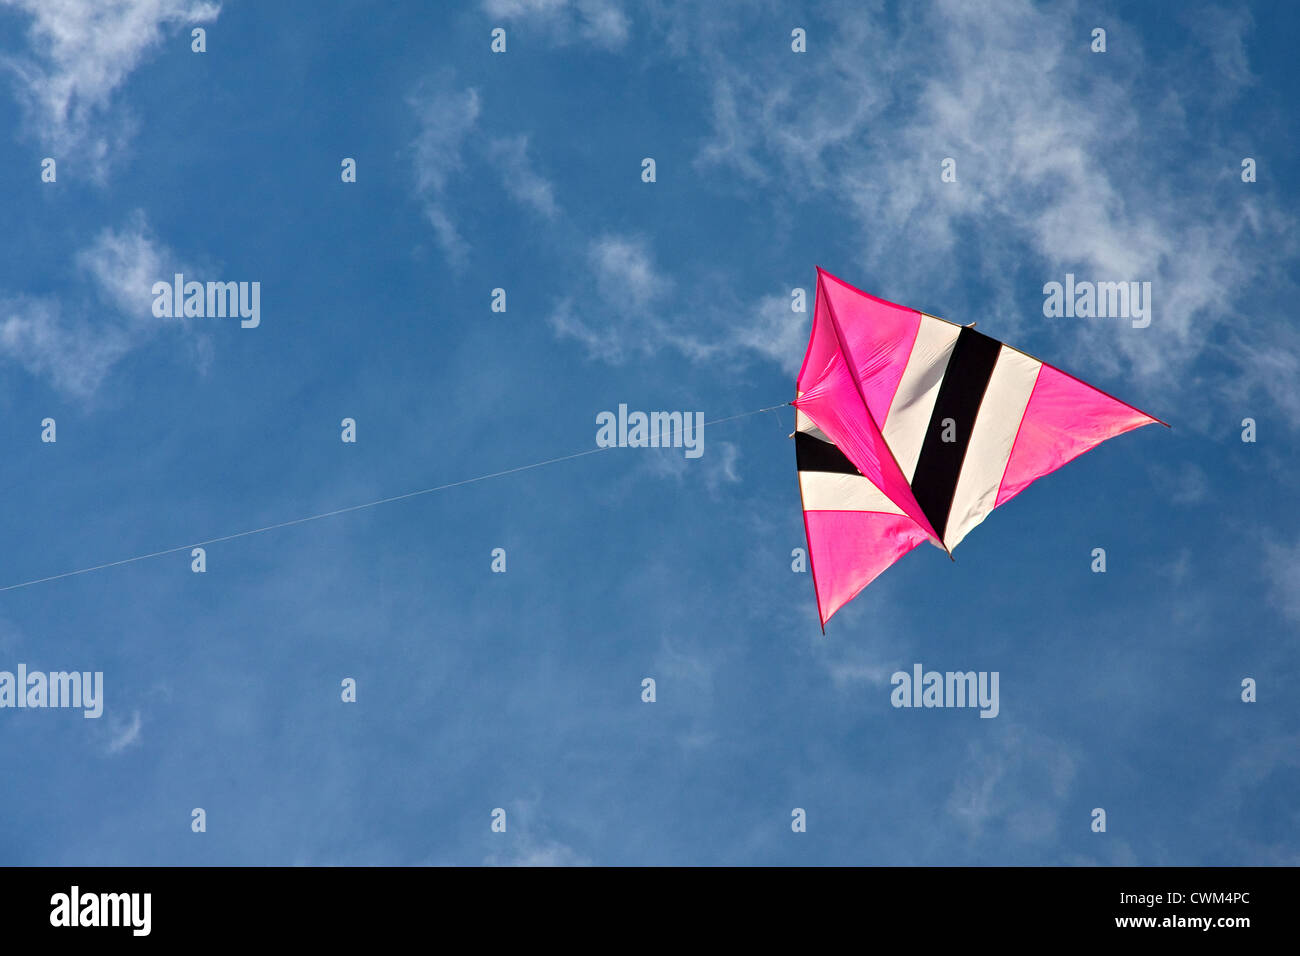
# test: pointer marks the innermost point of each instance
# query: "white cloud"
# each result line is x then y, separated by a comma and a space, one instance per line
770, 328
624, 270
717, 465
547, 853
1223, 33
629, 311
125, 734
733, 140
520, 179
599, 22
845, 674
526, 841
1282, 567
523, 8
602, 22
1267, 363
72, 354
446, 118
82, 52
722, 462
622, 314
1017, 782
124, 264
449, 131
1059, 169
74, 343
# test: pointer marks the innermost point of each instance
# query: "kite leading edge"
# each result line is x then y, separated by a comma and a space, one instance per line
910, 428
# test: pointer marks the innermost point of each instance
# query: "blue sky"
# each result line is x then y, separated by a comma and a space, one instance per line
522, 690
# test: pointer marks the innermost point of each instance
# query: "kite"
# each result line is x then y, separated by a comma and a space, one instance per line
911, 428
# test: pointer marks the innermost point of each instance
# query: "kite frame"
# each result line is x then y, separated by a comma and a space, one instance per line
830, 309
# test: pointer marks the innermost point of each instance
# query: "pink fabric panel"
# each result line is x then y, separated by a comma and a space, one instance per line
1064, 418
823, 345
835, 407
849, 549
876, 336
832, 400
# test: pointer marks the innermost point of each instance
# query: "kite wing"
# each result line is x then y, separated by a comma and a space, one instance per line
911, 428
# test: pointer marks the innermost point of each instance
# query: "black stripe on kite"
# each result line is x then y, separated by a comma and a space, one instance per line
813, 454
959, 398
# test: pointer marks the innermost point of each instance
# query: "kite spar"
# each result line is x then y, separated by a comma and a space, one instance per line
911, 428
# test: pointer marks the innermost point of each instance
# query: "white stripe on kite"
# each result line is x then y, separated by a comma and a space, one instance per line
909, 413
834, 491
991, 439
802, 423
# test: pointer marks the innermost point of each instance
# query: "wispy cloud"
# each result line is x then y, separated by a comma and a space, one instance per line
632, 308
124, 264
546, 853
1058, 166
446, 117
624, 270
599, 22
526, 841
770, 328
520, 179
81, 53
1016, 783
1282, 569
623, 315
124, 734
451, 143
869, 658
35, 332
718, 465
73, 341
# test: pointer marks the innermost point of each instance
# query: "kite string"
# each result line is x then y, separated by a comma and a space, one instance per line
360, 507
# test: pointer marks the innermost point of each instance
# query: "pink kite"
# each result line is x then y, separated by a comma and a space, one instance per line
911, 428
